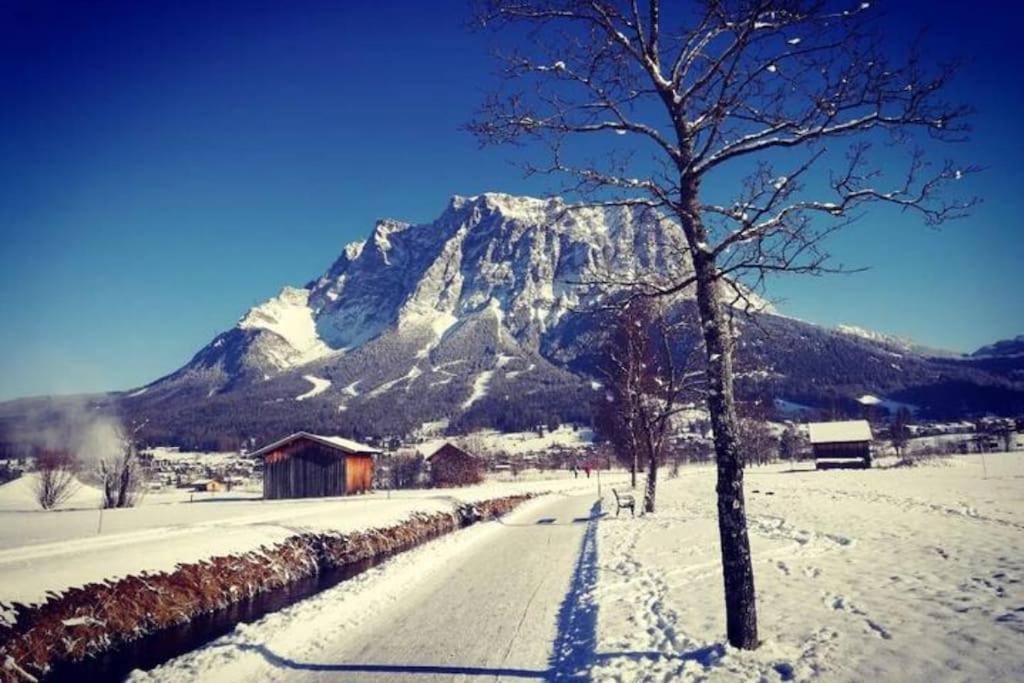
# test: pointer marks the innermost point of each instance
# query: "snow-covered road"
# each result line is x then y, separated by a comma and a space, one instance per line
506, 600
493, 613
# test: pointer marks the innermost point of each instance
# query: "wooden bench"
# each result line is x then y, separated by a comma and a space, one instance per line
624, 500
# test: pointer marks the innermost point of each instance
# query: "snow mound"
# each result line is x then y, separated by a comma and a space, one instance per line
20, 495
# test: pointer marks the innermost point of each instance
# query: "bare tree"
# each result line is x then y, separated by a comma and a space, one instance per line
615, 413
718, 85
645, 386
899, 431
757, 441
1002, 429
403, 469
57, 481
120, 472
791, 445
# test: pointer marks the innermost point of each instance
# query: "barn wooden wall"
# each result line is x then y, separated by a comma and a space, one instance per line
846, 449
306, 470
359, 473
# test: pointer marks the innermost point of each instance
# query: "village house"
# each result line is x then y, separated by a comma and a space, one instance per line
305, 465
841, 444
452, 466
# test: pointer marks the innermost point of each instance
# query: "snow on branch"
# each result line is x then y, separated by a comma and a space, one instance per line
732, 84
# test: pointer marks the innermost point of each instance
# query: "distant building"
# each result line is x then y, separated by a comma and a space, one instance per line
452, 466
841, 444
305, 465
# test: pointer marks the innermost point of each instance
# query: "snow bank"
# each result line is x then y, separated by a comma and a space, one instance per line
20, 494
315, 623
43, 551
101, 616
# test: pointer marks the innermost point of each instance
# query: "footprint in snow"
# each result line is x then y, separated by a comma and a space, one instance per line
879, 630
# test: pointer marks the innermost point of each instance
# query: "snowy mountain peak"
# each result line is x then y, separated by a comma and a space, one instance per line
352, 250
290, 318
520, 263
479, 317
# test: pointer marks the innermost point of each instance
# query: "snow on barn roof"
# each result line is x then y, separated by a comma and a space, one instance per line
836, 432
344, 445
449, 447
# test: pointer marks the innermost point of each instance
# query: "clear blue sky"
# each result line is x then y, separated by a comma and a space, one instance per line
166, 165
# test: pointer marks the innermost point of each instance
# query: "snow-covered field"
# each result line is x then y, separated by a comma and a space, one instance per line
908, 574
42, 551
904, 574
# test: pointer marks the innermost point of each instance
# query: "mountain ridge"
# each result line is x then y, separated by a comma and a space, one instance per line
480, 318
1002, 348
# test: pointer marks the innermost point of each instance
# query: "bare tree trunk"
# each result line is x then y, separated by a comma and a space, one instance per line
125, 483
632, 470
109, 485
652, 483
738, 573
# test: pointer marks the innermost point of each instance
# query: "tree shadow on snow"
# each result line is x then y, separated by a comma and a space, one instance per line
574, 650
408, 669
575, 644
575, 647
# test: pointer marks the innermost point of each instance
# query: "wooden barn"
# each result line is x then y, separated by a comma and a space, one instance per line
307, 465
452, 466
841, 444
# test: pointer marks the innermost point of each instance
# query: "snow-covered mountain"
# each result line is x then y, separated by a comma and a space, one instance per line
1002, 348
894, 341
479, 318
515, 261
871, 335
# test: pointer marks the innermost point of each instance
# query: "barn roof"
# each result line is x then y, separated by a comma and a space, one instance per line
839, 432
450, 448
336, 442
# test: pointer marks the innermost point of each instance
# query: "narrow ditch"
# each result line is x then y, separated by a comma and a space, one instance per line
102, 632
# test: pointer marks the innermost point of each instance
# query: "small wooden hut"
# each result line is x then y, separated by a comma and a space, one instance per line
841, 444
306, 465
452, 466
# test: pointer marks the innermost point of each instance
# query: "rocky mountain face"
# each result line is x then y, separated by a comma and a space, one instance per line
424, 322
480, 318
